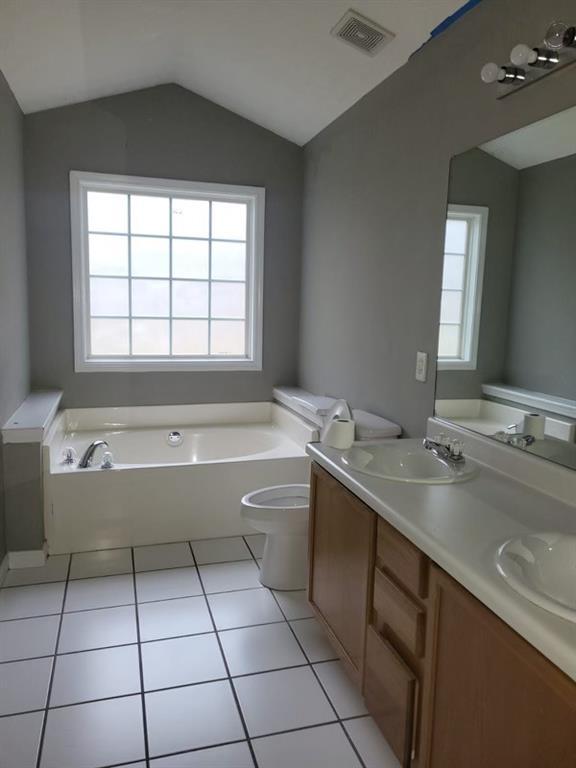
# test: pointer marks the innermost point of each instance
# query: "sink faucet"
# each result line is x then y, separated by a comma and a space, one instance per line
449, 452
87, 457
516, 440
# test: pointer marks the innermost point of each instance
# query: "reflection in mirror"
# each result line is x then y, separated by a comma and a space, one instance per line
507, 336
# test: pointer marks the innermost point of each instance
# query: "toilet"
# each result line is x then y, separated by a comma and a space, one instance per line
281, 512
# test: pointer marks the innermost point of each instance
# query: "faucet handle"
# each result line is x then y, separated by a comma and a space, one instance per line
69, 455
457, 448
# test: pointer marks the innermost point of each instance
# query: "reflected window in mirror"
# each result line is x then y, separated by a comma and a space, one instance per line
464, 251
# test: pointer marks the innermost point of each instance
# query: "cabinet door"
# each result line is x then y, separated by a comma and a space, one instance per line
342, 536
494, 699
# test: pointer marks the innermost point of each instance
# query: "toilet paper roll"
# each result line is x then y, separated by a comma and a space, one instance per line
535, 425
339, 434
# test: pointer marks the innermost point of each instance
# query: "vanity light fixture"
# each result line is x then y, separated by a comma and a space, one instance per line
530, 63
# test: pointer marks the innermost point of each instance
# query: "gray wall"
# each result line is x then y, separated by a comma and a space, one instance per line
375, 197
13, 306
477, 178
165, 132
542, 341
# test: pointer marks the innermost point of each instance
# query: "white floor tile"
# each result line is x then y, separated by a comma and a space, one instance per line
95, 734
256, 649
341, 691
182, 661
295, 604
55, 569
220, 550
256, 543
26, 638
170, 618
24, 685
278, 701
98, 629
159, 556
240, 609
105, 592
20, 737
313, 640
189, 718
224, 577
229, 756
164, 585
105, 562
24, 602
322, 747
95, 675
371, 745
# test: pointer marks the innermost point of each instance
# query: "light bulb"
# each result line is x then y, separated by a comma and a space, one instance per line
522, 54
559, 35
492, 73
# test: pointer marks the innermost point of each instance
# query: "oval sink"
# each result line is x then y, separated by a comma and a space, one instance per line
404, 460
542, 568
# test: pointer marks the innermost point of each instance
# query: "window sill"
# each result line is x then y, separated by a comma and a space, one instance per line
166, 366
456, 365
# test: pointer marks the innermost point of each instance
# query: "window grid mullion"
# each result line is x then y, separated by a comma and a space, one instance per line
130, 353
170, 319
210, 279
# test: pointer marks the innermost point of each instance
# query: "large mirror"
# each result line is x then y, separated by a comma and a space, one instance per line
507, 340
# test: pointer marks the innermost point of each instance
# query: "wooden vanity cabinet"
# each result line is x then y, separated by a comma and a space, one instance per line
493, 701
342, 535
449, 683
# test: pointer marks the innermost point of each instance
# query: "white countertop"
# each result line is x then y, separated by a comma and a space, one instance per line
460, 527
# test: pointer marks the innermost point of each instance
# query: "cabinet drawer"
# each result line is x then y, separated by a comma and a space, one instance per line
390, 690
399, 612
402, 559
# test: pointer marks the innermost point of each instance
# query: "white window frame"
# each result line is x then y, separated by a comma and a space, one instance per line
477, 217
254, 197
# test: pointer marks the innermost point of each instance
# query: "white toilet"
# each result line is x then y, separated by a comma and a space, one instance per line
281, 512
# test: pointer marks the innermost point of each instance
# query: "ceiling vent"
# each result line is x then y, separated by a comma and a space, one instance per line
365, 35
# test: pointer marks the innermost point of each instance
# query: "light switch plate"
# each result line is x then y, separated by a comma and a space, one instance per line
421, 366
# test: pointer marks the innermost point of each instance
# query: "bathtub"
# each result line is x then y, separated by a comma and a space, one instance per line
165, 487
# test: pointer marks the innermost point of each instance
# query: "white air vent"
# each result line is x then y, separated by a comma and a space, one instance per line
362, 33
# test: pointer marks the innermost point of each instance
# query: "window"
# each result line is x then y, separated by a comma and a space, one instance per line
464, 248
167, 274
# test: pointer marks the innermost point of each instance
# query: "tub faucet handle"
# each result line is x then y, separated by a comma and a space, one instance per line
107, 460
69, 455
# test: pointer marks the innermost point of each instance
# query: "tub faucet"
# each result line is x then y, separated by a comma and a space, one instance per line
88, 455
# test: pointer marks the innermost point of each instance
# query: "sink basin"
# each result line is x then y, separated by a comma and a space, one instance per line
404, 460
542, 568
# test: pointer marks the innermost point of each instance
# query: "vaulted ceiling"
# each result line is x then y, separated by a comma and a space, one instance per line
272, 61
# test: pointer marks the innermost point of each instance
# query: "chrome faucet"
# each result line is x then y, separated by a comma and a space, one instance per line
449, 452
87, 457
516, 440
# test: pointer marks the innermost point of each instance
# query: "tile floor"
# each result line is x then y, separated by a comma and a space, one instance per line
172, 656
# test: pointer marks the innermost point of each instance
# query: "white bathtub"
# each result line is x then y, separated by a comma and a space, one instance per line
160, 492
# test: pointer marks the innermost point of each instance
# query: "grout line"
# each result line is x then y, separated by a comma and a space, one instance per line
127, 605
52, 671
225, 661
140, 666
152, 640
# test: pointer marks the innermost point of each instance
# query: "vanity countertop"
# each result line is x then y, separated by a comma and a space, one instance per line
460, 526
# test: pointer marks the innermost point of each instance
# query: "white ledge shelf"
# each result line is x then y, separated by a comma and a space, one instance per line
30, 421
538, 400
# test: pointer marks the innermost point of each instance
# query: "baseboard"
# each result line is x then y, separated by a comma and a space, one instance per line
30, 558
3, 568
